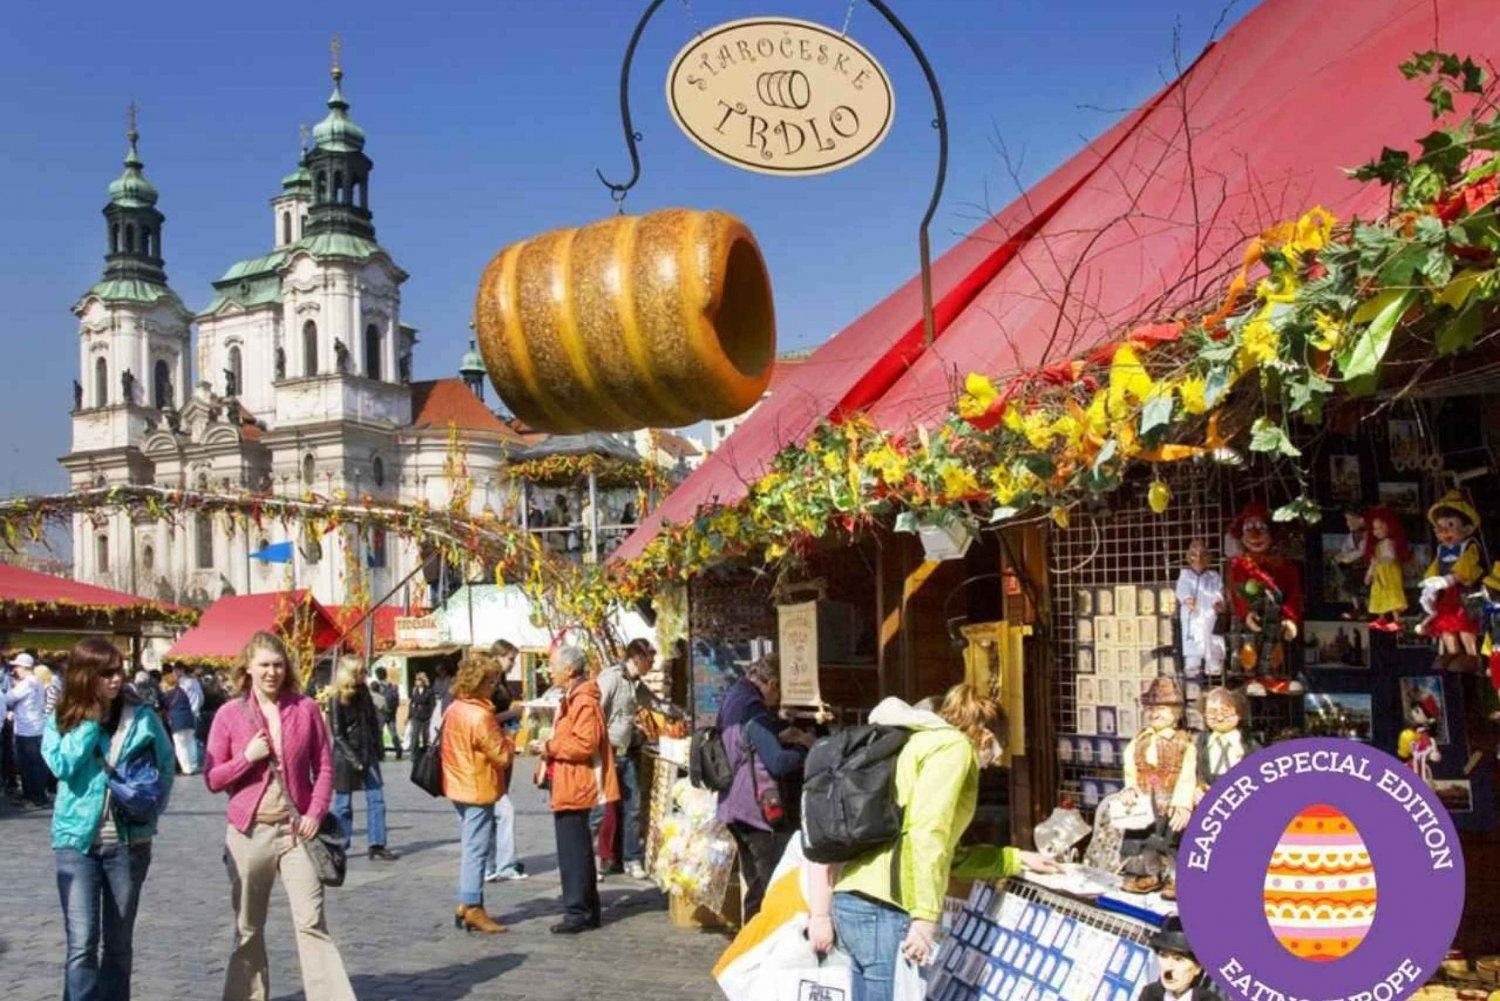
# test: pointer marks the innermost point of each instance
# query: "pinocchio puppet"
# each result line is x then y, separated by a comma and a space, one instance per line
1265, 591
1455, 568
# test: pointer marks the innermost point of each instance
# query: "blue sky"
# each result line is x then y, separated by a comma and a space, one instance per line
485, 122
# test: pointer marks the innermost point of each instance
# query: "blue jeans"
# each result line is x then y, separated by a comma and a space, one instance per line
476, 836
343, 808
502, 856
100, 892
871, 934
33, 768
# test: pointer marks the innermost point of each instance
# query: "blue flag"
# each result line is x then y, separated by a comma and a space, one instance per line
280, 552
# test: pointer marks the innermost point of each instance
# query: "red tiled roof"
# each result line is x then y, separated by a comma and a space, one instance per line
385, 622
249, 430
229, 623
1292, 95
442, 402
676, 445
19, 584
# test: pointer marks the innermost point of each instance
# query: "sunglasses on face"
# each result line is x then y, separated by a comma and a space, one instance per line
110, 673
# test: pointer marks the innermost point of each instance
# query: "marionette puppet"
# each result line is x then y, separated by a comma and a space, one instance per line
1265, 591
1455, 568
1161, 765
1489, 621
1351, 561
1200, 599
1416, 745
1226, 742
1387, 551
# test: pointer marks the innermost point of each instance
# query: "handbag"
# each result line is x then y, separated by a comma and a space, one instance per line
427, 766
136, 790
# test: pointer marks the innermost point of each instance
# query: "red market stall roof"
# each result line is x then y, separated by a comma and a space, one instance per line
1295, 93
345, 616
229, 623
30, 597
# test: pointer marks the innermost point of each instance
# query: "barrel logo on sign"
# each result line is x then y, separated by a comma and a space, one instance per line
780, 96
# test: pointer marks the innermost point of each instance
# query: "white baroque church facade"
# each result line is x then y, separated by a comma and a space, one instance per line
299, 383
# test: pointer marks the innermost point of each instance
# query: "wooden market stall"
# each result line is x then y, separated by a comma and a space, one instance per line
49, 614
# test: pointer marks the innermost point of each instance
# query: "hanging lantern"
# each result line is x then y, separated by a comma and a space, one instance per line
659, 320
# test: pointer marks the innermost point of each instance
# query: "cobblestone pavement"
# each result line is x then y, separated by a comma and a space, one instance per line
393, 921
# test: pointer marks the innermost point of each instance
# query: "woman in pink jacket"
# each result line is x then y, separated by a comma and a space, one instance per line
269, 750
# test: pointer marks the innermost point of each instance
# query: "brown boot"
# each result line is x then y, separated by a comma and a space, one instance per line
476, 918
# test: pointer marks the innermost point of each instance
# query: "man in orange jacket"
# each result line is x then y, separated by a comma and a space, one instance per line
582, 769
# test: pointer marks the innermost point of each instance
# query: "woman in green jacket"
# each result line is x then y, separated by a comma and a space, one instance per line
937, 787
101, 859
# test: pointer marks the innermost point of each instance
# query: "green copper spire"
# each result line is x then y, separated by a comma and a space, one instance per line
299, 180
337, 132
131, 189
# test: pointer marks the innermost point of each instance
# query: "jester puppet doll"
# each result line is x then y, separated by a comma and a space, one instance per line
1455, 568
1161, 766
1265, 592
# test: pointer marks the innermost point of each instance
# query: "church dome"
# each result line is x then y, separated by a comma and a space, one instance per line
473, 362
131, 189
337, 132
297, 179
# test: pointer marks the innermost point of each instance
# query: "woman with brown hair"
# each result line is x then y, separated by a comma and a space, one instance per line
268, 748
102, 858
475, 757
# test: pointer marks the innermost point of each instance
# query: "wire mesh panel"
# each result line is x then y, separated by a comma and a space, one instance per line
1114, 620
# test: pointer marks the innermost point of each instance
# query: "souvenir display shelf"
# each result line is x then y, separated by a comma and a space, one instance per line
1015, 941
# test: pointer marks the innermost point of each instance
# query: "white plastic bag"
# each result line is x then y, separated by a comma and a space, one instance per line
825, 981
907, 984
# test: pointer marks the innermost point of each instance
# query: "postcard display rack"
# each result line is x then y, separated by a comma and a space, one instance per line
1014, 941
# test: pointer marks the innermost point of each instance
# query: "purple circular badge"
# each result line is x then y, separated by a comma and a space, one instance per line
1320, 868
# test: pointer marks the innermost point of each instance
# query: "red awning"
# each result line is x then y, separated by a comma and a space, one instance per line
229, 623
345, 616
19, 585
1295, 93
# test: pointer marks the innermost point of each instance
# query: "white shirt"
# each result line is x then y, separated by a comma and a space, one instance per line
29, 702
193, 688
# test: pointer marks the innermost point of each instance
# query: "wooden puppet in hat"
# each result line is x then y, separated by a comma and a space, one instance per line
1416, 745
1226, 742
1161, 764
1265, 591
1386, 551
1455, 568
1200, 599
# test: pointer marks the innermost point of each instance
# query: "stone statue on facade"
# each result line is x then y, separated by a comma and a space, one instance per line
77, 395
281, 363
127, 386
341, 356
231, 384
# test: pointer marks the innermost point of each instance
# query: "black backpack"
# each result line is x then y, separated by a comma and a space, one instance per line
849, 793
708, 761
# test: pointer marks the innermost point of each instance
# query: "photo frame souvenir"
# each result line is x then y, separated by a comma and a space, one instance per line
1125, 603
1125, 630
1083, 631
1344, 482
1088, 689
1130, 720
1349, 715
1106, 751
1083, 603
1166, 601
1145, 601
1148, 665
1088, 724
1065, 750
1165, 636
1402, 497
1091, 795
1106, 630
1107, 663
1104, 602
1107, 693
1145, 630
1427, 691
1109, 721
1337, 645
1085, 660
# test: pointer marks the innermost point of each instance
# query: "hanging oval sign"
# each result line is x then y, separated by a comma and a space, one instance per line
780, 96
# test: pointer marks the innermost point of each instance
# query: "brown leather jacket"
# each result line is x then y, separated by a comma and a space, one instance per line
475, 753
583, 763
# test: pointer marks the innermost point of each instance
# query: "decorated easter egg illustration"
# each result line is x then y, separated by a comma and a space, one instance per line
1320, 887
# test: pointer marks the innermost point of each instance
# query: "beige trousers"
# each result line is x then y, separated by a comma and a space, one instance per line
254, 860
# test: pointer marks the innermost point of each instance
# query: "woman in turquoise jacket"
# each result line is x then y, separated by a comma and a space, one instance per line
101, 860
937, 787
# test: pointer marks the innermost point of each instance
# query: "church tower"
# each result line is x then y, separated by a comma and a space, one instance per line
132, 365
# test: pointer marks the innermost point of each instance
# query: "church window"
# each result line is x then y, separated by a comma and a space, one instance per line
205, 541
372, 351
145, 241
322, 186
114, 239
309, 348
101, 382
364, 194
237, 370
286, 227
129, 238
101, 553
309, 468
338, 186
161, 384
148, 557
377, 469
